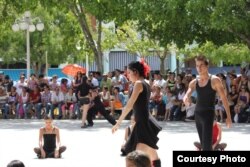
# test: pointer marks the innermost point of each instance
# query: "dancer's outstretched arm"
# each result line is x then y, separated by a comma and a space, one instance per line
191, 88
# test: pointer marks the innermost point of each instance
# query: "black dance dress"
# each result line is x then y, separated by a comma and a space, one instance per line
146, 128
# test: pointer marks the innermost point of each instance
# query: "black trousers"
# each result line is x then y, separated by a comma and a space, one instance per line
204, 124
99, 107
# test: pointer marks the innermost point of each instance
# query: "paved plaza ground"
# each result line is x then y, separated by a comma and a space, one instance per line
97, 146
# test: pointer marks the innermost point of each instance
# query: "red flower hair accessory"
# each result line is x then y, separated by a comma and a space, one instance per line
146, 67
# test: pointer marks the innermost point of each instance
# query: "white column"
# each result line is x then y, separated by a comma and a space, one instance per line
106, 61
173, 64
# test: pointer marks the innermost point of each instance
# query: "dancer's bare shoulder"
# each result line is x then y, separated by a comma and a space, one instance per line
138, 86
192, 84
216, 82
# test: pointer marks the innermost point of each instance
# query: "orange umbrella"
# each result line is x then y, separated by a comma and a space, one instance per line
72, 69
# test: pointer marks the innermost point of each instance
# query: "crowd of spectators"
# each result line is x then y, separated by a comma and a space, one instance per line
37, 96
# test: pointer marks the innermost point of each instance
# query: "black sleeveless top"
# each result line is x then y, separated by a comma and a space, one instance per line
140, 107
49, 140
205, 97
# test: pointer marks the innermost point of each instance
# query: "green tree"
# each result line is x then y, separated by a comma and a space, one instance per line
138, 42
229, 53
58, 38
90, 14
224, 23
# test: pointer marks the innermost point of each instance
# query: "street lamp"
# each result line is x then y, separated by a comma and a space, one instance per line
26, 23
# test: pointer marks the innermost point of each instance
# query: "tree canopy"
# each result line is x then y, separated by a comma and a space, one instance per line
219, 27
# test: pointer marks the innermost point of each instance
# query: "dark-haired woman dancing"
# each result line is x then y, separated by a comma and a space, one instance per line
144, 135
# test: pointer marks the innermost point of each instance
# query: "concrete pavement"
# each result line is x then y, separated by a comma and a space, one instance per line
97, 146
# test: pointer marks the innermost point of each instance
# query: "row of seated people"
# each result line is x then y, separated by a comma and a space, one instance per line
168, 104
33, 103
238, 103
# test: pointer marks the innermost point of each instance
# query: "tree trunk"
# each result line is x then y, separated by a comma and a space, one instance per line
162, 56
38, 67
35, 68
99, 47
177, 66
162, 65
80, 14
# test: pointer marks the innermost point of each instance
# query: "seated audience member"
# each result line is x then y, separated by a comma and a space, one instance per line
20, 84
244, 82
189, 109
3, 101
137, 159
42, 81
118, 102
35, 98
242, 104
16, 163
7, 83
175, 113
45, 102
70, 104
232, 99
57, 100
49, 141
32, 82
170, 98
23, 104
64, 86
54, 84
219, 110
106, 82
12, 102
105, 96
155, 100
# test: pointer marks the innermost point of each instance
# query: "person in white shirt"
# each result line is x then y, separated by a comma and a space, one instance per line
159, 81
119, 80
94, 81
189, 109
170, 98
57, 100
23, 103
176, 109
20, 84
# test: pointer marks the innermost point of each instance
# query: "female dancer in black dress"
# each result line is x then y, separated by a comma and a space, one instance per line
144, 135
49, 141
84, 99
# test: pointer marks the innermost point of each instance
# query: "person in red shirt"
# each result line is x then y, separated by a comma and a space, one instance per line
35, 97
215, 139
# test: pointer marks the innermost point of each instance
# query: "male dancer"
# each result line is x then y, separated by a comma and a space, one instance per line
98, 107
206, 86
